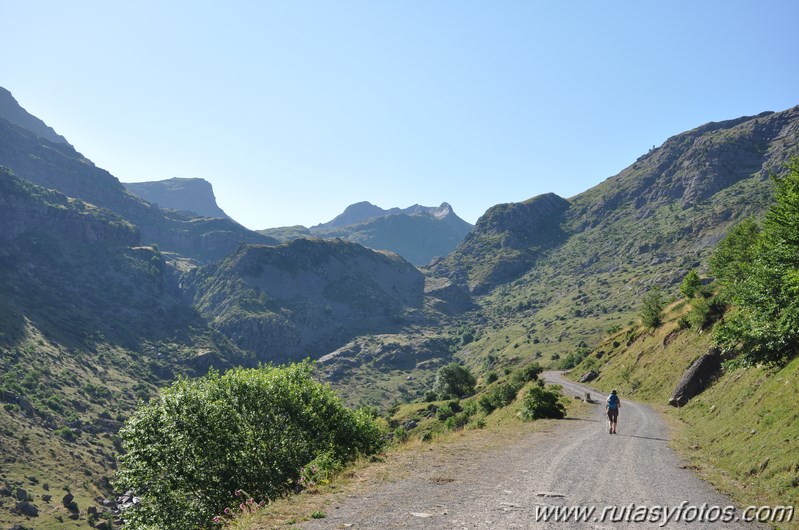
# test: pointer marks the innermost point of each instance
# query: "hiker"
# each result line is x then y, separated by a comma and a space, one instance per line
612, 406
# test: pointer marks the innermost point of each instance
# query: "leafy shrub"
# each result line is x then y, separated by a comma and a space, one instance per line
66, 433
458, 421
454, 380
249, 429
527, 373
540, 402
491, 377
704, 312
486, 403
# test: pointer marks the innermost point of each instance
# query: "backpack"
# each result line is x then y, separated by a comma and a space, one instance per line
613, 401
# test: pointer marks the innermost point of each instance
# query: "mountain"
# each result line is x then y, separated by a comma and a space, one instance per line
357, 213
94, 316
59, 166
12, 112
194, 195
563, 284
91, 322
505, 242
305, 297
417, 233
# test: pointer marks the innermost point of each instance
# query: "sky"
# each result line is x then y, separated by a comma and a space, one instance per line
295, 109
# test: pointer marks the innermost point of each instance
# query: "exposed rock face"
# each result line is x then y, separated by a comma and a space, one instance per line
305, 297
589, 376
193, 195
697, 377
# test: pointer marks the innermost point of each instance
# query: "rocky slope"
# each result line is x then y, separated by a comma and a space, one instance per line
60, 167
505, 242
306, 297
11, 111
194, 195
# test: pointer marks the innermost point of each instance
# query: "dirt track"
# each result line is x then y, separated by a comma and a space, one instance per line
575, 463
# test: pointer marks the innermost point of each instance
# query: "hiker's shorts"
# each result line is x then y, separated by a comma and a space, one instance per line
613, 414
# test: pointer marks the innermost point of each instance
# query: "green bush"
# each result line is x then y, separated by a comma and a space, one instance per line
540, 402
66, 433
200, 440
527, 373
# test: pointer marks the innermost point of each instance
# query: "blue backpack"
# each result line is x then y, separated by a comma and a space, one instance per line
613, 401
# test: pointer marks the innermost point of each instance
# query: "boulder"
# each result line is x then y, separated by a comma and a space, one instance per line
26, 508
697, 377
22, 495
589, 376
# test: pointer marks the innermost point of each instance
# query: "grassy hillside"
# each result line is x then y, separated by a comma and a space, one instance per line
742, 433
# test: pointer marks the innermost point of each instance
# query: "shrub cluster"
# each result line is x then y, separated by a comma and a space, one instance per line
541, 402
200, 440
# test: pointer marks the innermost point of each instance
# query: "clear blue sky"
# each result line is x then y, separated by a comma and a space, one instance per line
295, 109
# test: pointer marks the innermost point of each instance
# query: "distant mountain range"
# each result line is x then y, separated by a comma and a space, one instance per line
417, 233
192, 195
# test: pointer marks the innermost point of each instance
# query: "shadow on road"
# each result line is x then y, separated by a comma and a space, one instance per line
645, 437
581, 419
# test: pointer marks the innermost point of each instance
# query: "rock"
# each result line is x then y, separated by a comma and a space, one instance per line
5, 491
22, 495
697, 377
26, 508
69, 503
105, 525
19, 527
410, 425
589, 376
68, 498
47, 498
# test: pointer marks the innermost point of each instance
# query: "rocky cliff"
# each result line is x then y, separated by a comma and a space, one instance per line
194, 195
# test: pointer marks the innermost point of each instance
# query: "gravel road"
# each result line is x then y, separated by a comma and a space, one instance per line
575, 463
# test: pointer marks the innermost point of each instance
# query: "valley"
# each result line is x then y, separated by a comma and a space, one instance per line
108, 297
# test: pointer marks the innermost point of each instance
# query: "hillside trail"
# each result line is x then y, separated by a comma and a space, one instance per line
575, 463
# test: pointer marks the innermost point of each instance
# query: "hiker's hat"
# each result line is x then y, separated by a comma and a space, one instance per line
613, 391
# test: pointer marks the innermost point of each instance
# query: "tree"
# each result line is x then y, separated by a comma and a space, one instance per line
454, 380
735, 252
765, 291
690, 284
652, 308
189, 449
